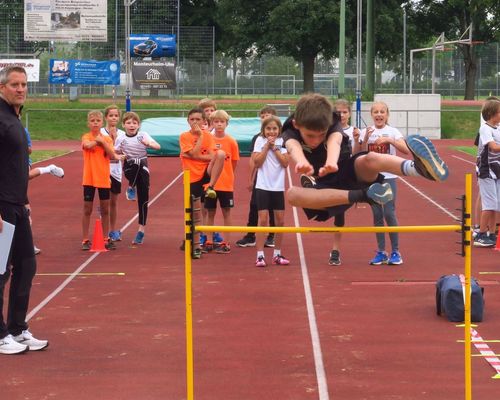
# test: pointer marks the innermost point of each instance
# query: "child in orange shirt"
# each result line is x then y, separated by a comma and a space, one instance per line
200, 156
225, 184
97, 151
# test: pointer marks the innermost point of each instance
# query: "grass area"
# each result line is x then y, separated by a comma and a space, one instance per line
61, 120
41, 155
472, 150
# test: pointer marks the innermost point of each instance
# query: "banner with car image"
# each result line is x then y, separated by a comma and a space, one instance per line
154, 46
153, 74
66, 20
84, 72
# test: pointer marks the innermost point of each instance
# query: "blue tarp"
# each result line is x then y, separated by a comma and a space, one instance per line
166, 132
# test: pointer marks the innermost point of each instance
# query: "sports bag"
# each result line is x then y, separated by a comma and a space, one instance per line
450, 298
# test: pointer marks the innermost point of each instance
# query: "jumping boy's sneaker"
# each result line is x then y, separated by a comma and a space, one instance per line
269, 241
130, 193
56, 171
307, 181
395, 258
380, 258
86, 245
261, 262
427, 161
280, 260
34, 344
334, 258
483, 240
115, 236
246, 241
210, 193
9, 346
139, 238
379, 193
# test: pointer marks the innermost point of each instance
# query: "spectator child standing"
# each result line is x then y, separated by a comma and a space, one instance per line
253, 218
97, 151
208, 106
134, 145
225, 184
384, 139
488, 162
112, 117
271, 159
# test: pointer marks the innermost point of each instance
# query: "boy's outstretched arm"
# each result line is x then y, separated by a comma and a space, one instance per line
332, 154
302, 166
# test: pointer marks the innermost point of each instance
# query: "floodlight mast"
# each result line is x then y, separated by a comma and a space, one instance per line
127, 4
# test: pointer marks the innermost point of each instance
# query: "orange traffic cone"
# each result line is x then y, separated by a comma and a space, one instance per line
98, 239
497, 247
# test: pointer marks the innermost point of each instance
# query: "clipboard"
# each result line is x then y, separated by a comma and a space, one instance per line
6, 237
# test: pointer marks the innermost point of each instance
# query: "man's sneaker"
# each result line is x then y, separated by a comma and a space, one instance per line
86, 245
280, 260
269, 241
34, 344
395, 258
109, 245
379, 193
483, 240
223, 248
493, 237
130, 193
307, 181
56, 171
196, 254
115, 236
380, 258
139, 238
246, 241
210, 193
9, 346
261, 262
36, 250
334, 258
426, 159
217, 238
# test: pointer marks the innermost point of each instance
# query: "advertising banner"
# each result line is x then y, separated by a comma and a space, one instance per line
153, 74
32, 67
154, 46
65, 20
84, 72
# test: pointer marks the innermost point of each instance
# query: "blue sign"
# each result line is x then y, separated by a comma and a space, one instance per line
84, 72
154, 46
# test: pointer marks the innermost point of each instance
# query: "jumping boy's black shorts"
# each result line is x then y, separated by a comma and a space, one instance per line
197, 187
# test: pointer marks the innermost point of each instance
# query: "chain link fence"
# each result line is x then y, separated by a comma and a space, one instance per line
202, 72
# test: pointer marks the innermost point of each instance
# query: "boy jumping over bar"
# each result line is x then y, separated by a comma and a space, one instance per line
321, 153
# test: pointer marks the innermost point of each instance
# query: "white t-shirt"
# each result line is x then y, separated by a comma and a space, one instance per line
115, 166
271, 174
132, 146
489, 160
349, 132
386, 131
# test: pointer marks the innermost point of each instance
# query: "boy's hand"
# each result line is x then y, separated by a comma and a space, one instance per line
328, 169
196, 130
304, 168
99, 139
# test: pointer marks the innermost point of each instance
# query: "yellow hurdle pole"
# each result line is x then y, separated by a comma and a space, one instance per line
467, 273
351, 229
188, 236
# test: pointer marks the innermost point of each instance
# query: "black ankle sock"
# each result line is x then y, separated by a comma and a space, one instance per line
357, 196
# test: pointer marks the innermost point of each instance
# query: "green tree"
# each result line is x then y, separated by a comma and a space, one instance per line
453, 17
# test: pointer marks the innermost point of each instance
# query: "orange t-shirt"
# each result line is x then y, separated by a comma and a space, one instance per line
96, 164
227, 143
187, 142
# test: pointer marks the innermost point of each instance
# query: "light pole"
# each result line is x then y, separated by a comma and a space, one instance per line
127, 4
404, 48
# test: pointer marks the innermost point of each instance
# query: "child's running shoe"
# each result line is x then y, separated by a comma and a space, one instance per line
115, 236
139, 238
223, 248
36, 250
196, 254
380, 258
395, 258
130, 193
334, 258
217, 238
86, 245
261, 262
483, 240
246, 241
280, 260
379, 193
427, 161
203, 239
207, 247
210, 193
307, 181
109, 245
56, 171
269, 241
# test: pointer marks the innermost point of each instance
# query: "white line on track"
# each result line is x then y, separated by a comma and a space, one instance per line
45, 301
313, 327
464, 160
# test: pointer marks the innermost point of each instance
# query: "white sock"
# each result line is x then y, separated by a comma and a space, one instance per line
44, 170
408, 168
260, 254
276, 252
